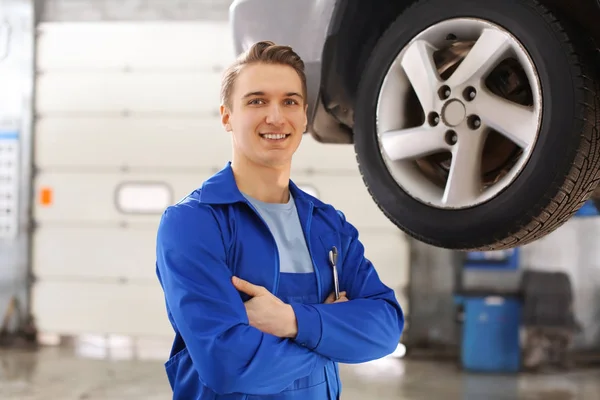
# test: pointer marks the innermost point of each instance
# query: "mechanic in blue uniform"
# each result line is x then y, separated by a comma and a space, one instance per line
244, 260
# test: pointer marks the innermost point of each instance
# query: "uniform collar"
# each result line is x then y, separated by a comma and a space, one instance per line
222, 189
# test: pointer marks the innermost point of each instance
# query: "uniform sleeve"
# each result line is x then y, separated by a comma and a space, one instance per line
365, 328
229, 354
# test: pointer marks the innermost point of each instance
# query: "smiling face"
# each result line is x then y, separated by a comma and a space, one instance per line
266, 115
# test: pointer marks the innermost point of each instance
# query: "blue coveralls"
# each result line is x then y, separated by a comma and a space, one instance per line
213, 234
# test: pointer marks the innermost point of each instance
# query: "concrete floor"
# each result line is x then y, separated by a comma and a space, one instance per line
58, 373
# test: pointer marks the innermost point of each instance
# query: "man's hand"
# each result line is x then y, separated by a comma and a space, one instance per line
331, 297
266, 312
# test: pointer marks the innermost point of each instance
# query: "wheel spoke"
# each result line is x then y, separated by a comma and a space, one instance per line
421, 71
516, 122
464, 180
406, 144
388, 117
489, 49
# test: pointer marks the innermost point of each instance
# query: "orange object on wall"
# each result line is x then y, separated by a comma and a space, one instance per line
46, 196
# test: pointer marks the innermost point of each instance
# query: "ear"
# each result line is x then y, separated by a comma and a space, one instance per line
305, 117
225, 117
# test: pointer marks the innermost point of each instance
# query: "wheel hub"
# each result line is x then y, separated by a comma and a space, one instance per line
454, 113
456, 78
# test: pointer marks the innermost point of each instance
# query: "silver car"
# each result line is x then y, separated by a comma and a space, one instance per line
475, 123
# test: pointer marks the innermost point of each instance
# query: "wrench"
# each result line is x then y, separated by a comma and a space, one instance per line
333, 255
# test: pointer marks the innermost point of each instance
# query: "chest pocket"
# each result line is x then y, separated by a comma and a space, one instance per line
321, 256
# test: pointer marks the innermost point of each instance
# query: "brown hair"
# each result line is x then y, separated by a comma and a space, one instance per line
261, 52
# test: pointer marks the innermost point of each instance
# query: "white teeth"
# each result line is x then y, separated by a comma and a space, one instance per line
274, 136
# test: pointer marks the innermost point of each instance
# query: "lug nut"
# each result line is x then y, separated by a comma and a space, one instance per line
474, 122
469, 93
451, 138
444, 92
433, 118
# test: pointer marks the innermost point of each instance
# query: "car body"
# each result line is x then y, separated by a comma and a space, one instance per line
342, 41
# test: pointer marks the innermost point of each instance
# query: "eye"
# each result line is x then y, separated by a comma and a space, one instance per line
290, 102
256, 101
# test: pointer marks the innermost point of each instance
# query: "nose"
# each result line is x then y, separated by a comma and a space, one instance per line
275, 115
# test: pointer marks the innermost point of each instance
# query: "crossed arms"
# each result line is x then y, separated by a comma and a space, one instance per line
223, 334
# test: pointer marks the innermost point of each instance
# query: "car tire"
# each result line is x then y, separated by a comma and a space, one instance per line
562, 168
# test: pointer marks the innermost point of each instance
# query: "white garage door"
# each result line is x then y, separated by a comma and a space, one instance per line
127, 123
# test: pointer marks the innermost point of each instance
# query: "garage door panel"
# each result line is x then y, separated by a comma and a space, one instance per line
113, 252
195, 93
95, 307
91, 197
133, 142
126, 124
133, 45
114, 142
90, 252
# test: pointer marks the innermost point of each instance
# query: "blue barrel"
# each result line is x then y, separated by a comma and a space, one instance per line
490, 341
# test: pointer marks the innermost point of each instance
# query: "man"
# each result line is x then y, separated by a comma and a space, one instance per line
244, 260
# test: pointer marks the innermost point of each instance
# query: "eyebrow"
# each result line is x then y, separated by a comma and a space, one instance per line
288, 94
